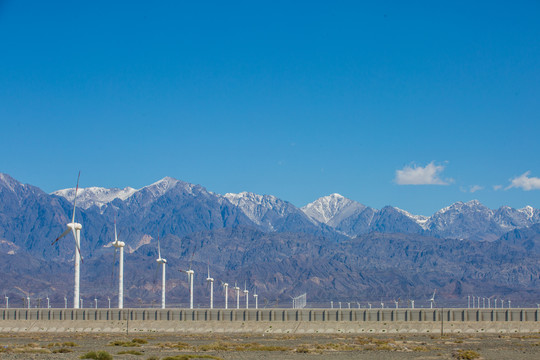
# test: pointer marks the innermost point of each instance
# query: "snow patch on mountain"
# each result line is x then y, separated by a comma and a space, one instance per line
260, 208
160, 187
87, 197
527, 211
332, 209
419, 219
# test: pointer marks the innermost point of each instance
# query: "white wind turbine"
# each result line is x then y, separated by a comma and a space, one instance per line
226, 286
246, 292
190, 273
211, 282
256, 299
120, 245
75, 229
163, 262
237, 289
432, 300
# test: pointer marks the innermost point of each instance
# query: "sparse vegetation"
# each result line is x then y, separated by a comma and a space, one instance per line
99, 355
69, 344
189, 357
139, 341
229, 346
62, 351
126, 343
466, 355
130, 352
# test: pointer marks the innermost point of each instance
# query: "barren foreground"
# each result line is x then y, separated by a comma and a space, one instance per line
167, 346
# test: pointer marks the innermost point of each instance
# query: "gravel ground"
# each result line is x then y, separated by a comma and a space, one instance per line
248, 347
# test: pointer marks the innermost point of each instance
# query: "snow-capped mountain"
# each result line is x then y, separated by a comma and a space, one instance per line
470, 220
473, 220
273, 214
97, 196
332, 209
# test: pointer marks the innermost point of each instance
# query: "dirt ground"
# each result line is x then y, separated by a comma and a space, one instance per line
248, 347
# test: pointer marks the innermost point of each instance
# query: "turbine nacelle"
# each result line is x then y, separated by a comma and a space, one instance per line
161, 261
118, 244
74, 226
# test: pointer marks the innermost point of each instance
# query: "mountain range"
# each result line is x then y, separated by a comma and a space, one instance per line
332, 247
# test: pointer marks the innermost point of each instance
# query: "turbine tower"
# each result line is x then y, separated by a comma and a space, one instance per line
226, 286
163, 262
75, 229
246, 292
190, 274
256, 299
210, 281
120, 245
237, 289
7, 301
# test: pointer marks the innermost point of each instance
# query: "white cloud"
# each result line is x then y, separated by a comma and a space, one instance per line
525, 182
418, 175
497, 187
476, 188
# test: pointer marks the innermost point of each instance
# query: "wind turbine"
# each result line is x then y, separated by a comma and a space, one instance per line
211, 282
162, 262
256, 299
412, 304
226, 286
7, 301
432, 300
75, 229
246, 292
237, 289
120, 245
190, 274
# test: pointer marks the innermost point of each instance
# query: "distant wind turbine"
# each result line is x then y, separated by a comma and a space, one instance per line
246, 294
75, 229
211, 282
226, 287
432, 300
237, 289
163, 263
120, 245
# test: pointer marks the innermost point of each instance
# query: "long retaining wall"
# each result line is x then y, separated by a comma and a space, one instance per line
271, 320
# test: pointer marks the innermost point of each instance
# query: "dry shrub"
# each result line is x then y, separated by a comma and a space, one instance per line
466, 355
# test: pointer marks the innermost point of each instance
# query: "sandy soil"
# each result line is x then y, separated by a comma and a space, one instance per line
248, 347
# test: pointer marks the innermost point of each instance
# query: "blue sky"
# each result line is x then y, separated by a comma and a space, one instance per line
410, 104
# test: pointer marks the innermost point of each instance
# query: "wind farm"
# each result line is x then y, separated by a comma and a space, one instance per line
282, 180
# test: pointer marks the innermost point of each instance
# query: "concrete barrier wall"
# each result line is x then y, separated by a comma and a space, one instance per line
275, 315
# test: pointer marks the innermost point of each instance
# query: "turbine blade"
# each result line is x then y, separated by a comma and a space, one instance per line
113, 266
115, 234
75, 199
61, 236
77, 245
156, 273
158, 248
